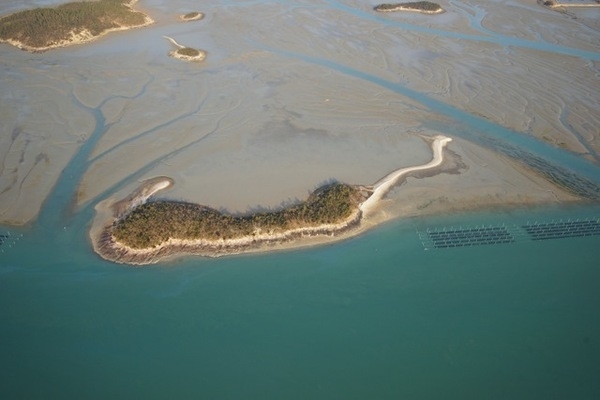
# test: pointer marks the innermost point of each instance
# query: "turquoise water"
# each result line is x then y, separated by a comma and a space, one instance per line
372, 317
376, 316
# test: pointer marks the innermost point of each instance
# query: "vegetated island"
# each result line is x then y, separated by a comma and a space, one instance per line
185, 53
143, 232
424, 7
42, 29
563, 6
192, 16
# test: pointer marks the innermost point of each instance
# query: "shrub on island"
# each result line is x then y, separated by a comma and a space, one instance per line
153, 223
188, 52
194, 15
425, 6
47, 27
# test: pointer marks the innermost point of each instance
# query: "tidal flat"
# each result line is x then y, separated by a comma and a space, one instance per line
291, 97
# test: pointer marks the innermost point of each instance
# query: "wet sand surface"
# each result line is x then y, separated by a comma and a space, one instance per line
292, 96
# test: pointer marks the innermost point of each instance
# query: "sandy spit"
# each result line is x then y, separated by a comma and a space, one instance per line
107, 247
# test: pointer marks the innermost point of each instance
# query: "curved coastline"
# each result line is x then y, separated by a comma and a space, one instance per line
106, 245
80, 36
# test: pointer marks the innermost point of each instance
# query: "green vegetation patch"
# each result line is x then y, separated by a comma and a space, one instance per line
416, 5
154, 223
43, 27
189, 52
190, 15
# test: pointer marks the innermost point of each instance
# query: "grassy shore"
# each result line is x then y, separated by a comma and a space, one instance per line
45, 28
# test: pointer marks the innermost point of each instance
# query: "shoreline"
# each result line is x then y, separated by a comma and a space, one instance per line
107, 247
82, 37
111, 250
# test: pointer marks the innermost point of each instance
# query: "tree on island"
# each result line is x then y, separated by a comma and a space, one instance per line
192, 15
154, 223
417, 5
189, 52
45, 27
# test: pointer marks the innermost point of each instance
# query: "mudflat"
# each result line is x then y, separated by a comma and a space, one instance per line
293, 97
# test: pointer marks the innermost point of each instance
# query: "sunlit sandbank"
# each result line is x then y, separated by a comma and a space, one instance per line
384, 185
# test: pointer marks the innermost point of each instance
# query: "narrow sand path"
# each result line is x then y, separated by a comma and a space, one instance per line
170, 39
383, 186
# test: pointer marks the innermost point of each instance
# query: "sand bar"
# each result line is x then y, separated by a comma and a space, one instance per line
382, 187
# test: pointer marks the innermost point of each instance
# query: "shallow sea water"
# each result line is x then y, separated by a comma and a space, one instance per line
376, 316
